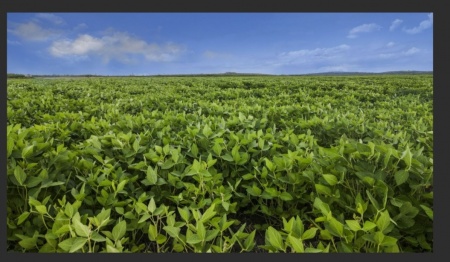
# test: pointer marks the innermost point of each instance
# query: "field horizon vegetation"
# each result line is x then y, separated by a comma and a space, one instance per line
230, 163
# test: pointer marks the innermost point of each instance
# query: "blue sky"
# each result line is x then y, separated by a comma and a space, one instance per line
191, 43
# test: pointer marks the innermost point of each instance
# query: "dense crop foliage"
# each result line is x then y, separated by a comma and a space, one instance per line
220, 164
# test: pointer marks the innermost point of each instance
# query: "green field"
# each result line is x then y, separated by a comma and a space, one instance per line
220, 164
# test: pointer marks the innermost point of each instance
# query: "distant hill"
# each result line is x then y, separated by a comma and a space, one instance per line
373, 73
233, 74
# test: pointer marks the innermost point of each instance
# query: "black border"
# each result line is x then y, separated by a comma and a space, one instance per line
441, 57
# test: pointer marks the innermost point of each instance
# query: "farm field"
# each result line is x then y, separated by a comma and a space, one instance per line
220, 164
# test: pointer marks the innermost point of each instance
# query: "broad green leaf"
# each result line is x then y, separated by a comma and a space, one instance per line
152, 176
249, 242
428, 211
407, 157
331, 179
22, 217
373, 200
72, 245
80, 229
27, 151
97, 237
119, 230
10, 147
274, 238
41, 209
151, 206
194, 149
184, 213
401, 177
152, 232
201, 231
209, 213
389, 241
353, 225
172, 231
20, 175
296, 244
383, 220
369, 226
285, 196
321, 189
335, 227
310, 233
193, 239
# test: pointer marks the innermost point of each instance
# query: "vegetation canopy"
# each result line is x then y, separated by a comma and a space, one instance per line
224, 164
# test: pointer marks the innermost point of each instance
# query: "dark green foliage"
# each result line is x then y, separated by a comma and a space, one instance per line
223, 164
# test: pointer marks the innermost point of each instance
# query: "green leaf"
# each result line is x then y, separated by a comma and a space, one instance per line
335, 227
194, 149
407, 156
80, 229
97, 237
428, 211
310, 233
321, 189
207, 131
249, 242
28, 242
72, 244
323, 207
152, 176
378, 237
41, 209
401, 177
20, 175
10, 147
274, 238
184, 213
209, 213
383, 220
225, 205
151, 206
119, 230
27, 151
296, 244
152, 232
389, 241
373, 200
22, 217
331, 179
121, 185
353, 225
369, 226
269, 164
285, 196
172, 231
227, 157
193, 239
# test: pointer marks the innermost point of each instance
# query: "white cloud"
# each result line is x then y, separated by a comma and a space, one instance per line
337, 68
80, 26
114, 46
51, 17
411, 51
422, 26
311, 55
396, 23
83, 45
10, 42
390, 44
364, 28
32, 32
